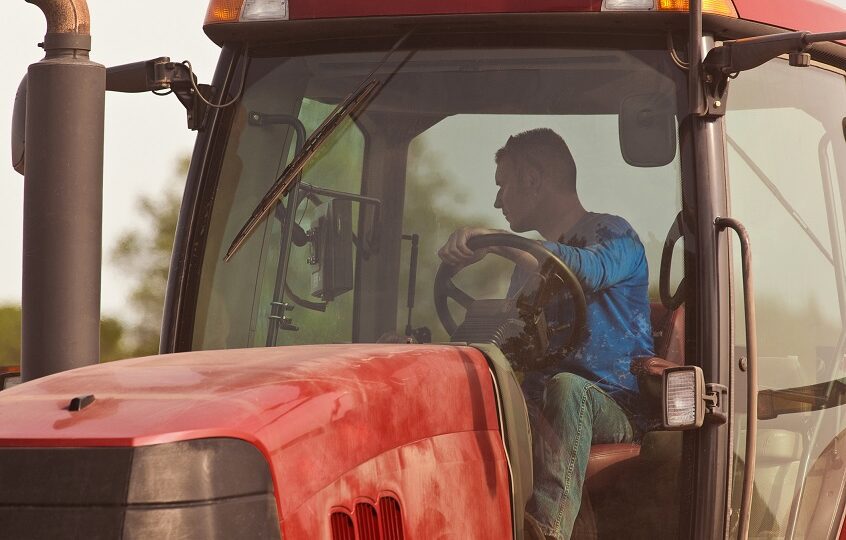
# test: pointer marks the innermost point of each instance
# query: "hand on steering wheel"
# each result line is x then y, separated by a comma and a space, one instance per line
554, 274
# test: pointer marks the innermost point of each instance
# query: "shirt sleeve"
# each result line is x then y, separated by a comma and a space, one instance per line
604, 264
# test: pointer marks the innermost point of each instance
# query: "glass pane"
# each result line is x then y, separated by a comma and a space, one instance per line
355, 251
786, 161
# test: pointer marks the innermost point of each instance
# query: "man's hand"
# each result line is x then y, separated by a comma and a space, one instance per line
455, 251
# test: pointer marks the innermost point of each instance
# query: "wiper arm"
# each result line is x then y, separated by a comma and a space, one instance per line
781, 199
351, 105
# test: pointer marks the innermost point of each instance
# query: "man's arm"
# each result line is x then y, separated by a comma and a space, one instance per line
456, 253
604, 264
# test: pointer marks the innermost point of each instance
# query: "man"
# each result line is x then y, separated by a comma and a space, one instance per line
589, 396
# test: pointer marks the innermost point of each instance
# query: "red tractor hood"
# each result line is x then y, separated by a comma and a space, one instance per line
271, 397
315, 412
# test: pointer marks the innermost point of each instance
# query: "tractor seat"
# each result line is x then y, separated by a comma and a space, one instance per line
668, 338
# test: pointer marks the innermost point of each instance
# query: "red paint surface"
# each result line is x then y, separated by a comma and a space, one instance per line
326, 9
808, 15
443, 491
335, 422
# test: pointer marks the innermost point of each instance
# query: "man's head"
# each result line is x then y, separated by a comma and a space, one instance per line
534, 172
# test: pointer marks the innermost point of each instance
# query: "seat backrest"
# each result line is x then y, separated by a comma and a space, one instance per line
668, 332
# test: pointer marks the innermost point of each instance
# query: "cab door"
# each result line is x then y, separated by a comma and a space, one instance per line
786, 159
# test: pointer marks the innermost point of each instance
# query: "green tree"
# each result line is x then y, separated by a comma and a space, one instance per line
111, 334
144, 254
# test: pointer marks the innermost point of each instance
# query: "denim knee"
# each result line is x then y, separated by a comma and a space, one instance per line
566, 388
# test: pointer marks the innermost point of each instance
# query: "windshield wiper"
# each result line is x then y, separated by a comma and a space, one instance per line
350, 105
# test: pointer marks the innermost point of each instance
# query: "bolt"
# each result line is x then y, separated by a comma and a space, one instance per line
718, 103
742, 363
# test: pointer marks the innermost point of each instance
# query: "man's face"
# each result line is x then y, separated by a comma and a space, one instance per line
515, 197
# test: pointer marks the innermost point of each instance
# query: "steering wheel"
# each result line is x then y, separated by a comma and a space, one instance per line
554, 274
671, 300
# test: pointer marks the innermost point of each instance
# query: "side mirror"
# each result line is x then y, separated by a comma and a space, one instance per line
648, 130
331, 242
19, 128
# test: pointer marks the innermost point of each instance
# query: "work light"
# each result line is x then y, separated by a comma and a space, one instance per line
684, 387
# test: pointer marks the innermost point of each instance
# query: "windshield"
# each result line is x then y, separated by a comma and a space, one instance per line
550, 173
411, 168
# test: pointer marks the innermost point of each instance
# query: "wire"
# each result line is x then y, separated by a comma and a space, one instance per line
240, 93
671, 48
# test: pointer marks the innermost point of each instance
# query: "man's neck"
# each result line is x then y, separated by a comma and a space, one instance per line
569, 211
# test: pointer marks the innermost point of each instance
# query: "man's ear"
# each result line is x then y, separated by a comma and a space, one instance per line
533, 180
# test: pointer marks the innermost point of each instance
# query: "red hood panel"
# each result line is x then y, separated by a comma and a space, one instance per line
315, 412
807, 15
244, 394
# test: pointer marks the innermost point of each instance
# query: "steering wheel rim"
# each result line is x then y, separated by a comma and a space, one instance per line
444, 288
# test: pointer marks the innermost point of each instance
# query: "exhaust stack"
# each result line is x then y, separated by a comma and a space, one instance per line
63, 197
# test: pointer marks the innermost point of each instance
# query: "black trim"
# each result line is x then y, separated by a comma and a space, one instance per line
708, 449
206, 488
195, 213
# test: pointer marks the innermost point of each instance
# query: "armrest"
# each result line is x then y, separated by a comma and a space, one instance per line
650, 367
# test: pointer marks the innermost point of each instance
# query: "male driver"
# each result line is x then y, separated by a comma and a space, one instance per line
589, 395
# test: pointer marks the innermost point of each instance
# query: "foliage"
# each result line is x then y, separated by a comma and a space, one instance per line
111, 333
144, 254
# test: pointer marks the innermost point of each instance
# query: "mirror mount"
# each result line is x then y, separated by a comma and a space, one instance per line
729, 59
162, 75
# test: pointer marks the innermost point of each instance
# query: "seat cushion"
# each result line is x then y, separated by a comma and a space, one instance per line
604, 461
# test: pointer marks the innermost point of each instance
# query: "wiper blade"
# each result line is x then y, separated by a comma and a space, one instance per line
350, 106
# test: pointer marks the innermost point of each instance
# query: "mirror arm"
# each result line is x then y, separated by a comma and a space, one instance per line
158, 75
729, 59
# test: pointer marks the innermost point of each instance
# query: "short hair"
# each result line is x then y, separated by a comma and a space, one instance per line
543, 150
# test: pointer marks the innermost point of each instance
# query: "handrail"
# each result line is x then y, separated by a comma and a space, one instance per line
751, 371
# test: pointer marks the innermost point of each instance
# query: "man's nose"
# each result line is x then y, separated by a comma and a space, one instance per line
498, 200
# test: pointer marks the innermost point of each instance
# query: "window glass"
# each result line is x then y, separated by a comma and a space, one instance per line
352, 254
787, 164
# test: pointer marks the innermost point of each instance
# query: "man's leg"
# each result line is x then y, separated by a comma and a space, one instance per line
573, 415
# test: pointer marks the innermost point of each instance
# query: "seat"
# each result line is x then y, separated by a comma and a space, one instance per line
668, 340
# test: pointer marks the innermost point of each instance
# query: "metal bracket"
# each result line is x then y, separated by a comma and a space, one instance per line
161, 74
715, 92
716, 404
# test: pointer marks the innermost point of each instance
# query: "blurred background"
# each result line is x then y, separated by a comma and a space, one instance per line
147, 147
146, 152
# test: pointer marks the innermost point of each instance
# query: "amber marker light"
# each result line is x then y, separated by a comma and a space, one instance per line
716, 7
223, 11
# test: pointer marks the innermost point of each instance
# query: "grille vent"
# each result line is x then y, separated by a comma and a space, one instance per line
342, 527
368, 523
391, 518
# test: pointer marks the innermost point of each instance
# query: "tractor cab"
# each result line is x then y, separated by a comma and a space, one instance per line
340, 146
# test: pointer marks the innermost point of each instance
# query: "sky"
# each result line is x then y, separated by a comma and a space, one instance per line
145, 134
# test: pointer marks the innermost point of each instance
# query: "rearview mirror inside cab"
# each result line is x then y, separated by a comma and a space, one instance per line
648, 130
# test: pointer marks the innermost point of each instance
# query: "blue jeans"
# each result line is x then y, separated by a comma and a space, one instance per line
572, 414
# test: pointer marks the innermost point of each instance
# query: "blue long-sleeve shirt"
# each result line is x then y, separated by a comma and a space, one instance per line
608, 258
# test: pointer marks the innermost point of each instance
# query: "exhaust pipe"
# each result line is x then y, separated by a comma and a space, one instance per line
63, 197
